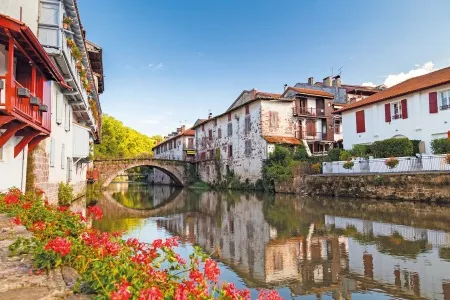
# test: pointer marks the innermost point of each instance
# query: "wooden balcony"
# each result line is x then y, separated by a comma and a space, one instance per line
308, 111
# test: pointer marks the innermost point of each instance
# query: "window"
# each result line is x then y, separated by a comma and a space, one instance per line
444, 97
273, 120
211, 154
190, 143
210, 134
219, 133
68, 120
247, 109
230, 151
247, 125
311, 127
202, 155
360, 122
248, 147
215, 122
203, 127
337, 126
396, 110
230, 129
229, 117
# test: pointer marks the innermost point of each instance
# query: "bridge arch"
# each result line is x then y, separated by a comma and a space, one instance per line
110, 168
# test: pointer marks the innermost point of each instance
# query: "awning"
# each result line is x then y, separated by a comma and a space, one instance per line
190, 152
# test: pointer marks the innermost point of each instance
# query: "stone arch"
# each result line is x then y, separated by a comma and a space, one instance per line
399, 136
109, 169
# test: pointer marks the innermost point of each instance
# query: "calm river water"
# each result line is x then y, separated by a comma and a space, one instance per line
306, 248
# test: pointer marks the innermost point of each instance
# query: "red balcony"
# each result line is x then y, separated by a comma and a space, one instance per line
25, 88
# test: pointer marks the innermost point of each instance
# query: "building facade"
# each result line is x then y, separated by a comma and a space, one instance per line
418, 108
71, 97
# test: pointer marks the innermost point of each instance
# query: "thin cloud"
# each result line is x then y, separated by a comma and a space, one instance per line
150, 121
370, 84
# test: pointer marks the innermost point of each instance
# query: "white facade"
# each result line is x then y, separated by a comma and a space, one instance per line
27, 9
419, 125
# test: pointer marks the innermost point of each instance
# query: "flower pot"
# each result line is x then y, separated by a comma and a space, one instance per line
65, 26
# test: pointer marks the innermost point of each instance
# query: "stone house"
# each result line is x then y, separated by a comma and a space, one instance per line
179, 145
59, 103
418, 108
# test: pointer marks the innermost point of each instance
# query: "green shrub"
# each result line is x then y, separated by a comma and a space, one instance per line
65, 194
334, 154
392, 148
362, 150
391, 162
415, 146
440, 146
348, 165
300, 153
345, 155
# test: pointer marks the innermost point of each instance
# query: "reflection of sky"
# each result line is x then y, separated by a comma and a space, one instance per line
149, 231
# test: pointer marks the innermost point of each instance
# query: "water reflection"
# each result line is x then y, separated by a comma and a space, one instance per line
302, 246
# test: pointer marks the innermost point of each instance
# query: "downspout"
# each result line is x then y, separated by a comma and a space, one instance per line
24, 169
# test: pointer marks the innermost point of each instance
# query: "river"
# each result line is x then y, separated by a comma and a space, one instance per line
306, 248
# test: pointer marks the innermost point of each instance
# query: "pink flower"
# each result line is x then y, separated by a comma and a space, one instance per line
122, 292
269, 295
62, 208
16, 221
59, 245
151, 294
27, 205
38, 226
212, 272
95, 212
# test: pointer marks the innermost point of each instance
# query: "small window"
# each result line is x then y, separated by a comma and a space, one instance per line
396, 110
273, 120
230, 129
247, 125
248, 147
211, 154
230, 151
247, 109
337, 127
229, 117
360, 122
219, 133
191, 143
210, 135
203, 127
444, 97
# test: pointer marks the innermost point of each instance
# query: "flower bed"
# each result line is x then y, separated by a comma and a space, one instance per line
110, 267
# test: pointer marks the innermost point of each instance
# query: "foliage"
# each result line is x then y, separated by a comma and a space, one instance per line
93, 192
348, 165
316, 168
378, 180
200, 185
95, 111
109, 266
68, 20
392, 147
391, 162
120, 141
440, 146
415, 146
345, 155
334, 154
279, 165
300, 153
65, 193
362, 150
447, 158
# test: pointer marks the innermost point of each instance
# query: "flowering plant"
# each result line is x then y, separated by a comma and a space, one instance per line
447, 158
110, 266
391, 162
68, 21
348, 165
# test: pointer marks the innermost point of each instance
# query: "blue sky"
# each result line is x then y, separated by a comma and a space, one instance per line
169, 61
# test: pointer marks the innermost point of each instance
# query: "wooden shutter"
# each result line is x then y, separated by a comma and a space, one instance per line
404, 109
313, 128
297, 106
52, 152
68, 118
387, 112
247, 109
59, 108
69, 168
432, 97
63, 156
360, 122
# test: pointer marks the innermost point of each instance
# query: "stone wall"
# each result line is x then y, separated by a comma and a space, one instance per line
415, 187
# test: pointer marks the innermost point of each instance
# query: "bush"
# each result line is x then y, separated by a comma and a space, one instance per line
447, 159
316, 168
362, 150
65, 194
415, 146
392, 148
334, 154
348, 165
345, 155
391, 162
300, 153
440, 146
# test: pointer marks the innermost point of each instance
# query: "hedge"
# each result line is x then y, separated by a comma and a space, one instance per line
334, 153
440, 146
395, 147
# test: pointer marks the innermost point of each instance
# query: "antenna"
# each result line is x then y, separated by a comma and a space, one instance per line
340, 70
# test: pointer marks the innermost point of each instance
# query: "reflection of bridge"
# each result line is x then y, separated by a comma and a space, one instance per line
110, 168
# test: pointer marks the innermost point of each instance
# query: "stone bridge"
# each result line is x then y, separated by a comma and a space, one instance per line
109, 168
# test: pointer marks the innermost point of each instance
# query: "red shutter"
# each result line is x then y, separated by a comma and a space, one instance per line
247, 109
387, 112
404, 109
433, 102
313, 128
360, 122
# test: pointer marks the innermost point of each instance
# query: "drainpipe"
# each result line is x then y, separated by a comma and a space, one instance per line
24, 169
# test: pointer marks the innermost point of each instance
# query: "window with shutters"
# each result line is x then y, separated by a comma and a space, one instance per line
273, 120
190, 143
230, 129
360, 122
63, 156
68, 120
229, 117
396, 110
248, 147
59, 107
247, 125
69, 168
52, 152
247, 109
219, 133
444, 100
210, 134
230, 151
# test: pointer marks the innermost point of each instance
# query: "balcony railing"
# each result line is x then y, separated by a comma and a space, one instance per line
308, 111
310, 135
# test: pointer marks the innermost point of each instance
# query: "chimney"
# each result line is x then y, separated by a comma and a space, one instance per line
183, 128
179, 130
337, 81
311, 81
327, 81
209, 116
285, 86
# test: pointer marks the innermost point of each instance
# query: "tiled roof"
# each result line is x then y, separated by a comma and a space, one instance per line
281, 140
411, 85
187, 132
309, 92
267, 95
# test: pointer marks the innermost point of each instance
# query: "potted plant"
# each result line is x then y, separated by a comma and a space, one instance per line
67, 22
447, 159
348, 165
391, 162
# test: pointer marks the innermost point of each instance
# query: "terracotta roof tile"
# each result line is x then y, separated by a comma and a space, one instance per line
269, 95
281, 140
411, 85
309, 92
187, 132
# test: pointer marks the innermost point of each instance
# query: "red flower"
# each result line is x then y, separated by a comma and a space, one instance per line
245, 294
269, 295
196, 275
158, 243
151, 294
16, 221
82, 218
230, 290
180, 260
96, 212
40, 192
122, 292
59, 245
26, 205
171, 242
62, 208
11, 199
212, 272
38, 226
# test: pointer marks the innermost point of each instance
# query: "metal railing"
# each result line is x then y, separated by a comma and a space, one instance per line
308, 111
424, 163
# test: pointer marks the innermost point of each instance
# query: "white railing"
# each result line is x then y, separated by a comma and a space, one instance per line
423, 163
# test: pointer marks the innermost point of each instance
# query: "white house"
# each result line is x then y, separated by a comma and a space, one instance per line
418, 108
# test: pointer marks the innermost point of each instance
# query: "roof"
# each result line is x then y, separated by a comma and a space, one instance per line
281, 140
27, 40
254, 94
411, 85
95, 53
308, 92
187, 132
